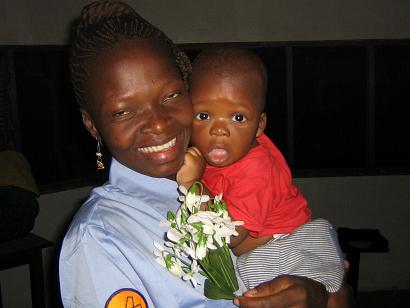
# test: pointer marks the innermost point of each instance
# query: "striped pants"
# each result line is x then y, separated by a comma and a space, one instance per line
311, 251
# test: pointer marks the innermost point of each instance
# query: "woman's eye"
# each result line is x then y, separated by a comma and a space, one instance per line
172, 96
239, 117
121, 113
202, 116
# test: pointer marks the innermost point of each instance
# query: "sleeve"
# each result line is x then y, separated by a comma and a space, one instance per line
93, 270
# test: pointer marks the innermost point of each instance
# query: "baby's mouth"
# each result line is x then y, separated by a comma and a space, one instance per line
158, 148
217, 156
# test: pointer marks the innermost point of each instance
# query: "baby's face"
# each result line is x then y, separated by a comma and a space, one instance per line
227, 116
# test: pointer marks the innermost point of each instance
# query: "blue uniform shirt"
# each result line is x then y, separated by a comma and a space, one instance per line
108, 249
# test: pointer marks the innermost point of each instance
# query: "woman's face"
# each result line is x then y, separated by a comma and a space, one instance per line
137, 103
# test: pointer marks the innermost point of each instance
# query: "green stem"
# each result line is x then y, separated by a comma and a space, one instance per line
210, 276
226, 274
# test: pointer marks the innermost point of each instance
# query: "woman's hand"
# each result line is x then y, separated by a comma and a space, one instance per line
192, 169
295, 292
285, 291
343, 298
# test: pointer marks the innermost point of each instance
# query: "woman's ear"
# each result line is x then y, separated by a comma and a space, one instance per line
89, 123
262, 124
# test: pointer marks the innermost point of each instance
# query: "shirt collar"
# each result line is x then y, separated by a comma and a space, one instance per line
131, 181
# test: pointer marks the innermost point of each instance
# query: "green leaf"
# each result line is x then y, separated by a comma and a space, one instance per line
213, 291
192, 189
184, 217
221, 259
170, 216
197, 225
168, 261
221, 279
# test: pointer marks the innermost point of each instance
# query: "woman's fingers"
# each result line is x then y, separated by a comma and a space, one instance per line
285, 291
294, 296
270, 287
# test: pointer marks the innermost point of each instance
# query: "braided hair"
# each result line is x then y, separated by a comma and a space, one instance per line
101, 25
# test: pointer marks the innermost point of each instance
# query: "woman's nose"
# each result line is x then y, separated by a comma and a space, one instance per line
156, 123
219, 128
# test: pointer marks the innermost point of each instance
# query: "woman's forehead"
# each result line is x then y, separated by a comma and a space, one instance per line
130, 60
130, 69
143, 50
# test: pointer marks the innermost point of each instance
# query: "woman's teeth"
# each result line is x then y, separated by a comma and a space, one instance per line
158, 148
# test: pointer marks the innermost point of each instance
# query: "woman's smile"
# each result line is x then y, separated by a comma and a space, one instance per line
163, 156
158, 148
163, 153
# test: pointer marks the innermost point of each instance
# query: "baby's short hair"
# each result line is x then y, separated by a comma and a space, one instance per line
230, 61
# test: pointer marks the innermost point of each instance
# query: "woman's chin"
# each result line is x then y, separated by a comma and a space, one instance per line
167, 169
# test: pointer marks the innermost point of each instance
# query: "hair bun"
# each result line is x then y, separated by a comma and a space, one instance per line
101, 11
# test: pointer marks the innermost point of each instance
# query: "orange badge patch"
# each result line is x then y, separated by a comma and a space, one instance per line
126, 298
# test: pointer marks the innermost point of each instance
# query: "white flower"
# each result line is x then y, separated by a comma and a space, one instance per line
206, 217
189, 250
159, 253
178, 217
227, 217
166, 259
159, 248
183, 191
191, 274
174, 235
174, 266
223, 232
210, 243
203, 198
208, 229
191, 200
218, 198
193, 233
200, 251
182, 250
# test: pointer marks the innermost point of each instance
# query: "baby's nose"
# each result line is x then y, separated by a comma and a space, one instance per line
219, 129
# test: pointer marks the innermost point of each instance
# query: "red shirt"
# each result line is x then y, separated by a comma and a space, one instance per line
258, 190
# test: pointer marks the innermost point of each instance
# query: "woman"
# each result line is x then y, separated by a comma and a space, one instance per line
130, 82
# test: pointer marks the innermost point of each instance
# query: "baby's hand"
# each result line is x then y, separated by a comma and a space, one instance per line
192, 169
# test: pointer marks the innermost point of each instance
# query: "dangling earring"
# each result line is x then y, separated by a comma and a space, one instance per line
100, 164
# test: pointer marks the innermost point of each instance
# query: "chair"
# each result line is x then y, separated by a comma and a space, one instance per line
353, 242
26, 250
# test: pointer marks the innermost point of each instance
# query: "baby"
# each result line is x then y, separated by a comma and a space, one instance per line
228, 92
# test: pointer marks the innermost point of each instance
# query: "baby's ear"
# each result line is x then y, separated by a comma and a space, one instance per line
262, 124
89, 123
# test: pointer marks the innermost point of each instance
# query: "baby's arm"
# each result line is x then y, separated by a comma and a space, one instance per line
244, 242
192, 169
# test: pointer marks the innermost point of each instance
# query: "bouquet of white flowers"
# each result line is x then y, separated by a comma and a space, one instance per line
198, 241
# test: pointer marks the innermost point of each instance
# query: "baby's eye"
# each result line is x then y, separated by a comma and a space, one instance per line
202, 116
239, 117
